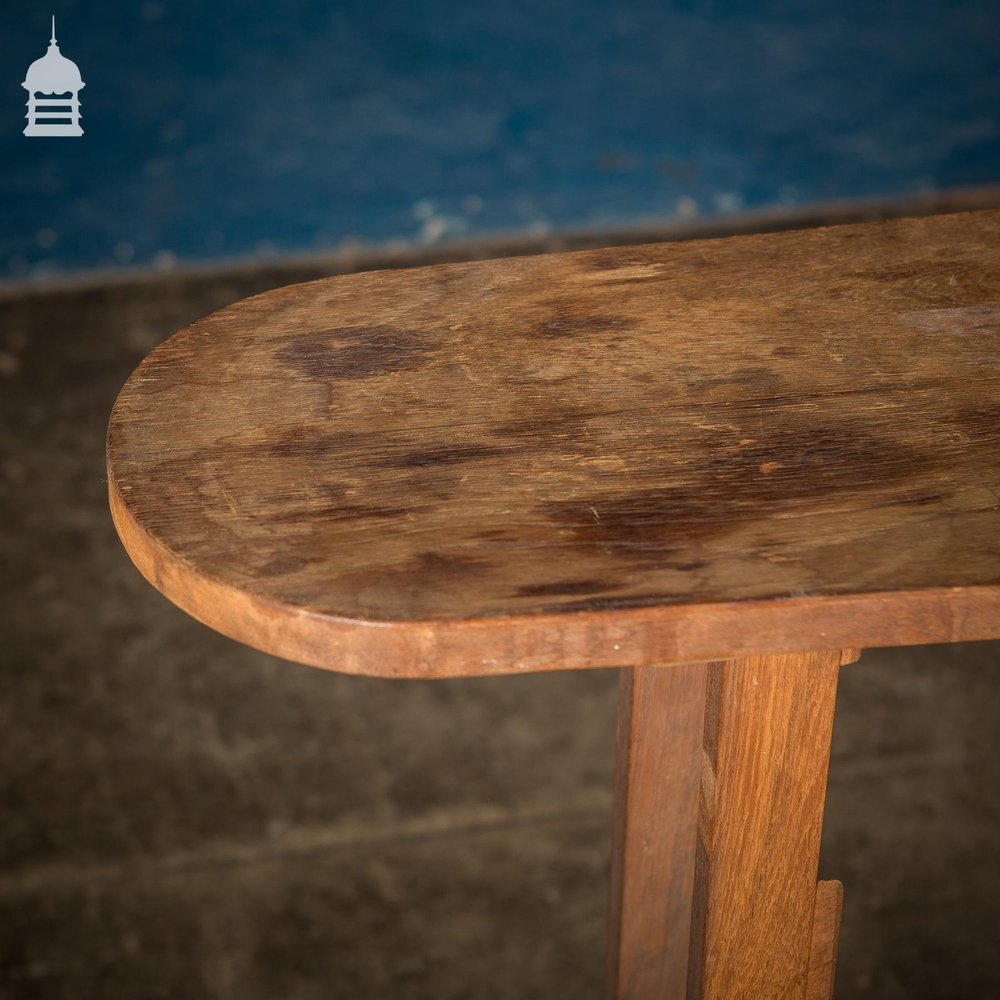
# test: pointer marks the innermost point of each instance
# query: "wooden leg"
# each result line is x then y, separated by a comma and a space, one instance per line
661, 721
721, 778
825, 934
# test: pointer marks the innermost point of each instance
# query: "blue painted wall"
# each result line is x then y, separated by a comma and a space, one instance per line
226, 129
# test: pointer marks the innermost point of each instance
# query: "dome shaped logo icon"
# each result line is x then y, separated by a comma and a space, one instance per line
53, 84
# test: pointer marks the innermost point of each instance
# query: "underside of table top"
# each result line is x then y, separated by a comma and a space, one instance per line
647, 454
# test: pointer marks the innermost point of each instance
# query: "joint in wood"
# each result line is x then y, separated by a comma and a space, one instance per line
824, 940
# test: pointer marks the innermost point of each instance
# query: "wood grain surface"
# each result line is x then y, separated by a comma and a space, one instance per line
768, 724
824, 941
658, 771
642, 455
719, 793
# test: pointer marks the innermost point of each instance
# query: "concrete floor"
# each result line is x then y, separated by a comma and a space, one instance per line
184, 817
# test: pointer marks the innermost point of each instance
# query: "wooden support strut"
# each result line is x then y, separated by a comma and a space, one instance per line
721, 780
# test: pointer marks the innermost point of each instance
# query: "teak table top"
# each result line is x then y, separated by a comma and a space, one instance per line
641, 455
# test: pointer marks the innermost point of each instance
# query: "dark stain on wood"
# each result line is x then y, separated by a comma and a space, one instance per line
549, 425
475, 441
355, 352
568, 325
980, 421
754, 378
433, 564
339, 512
441, 454
306, 442
560, 588
787, 468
